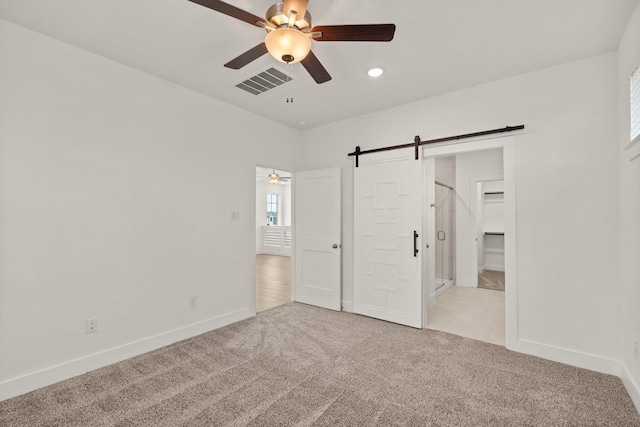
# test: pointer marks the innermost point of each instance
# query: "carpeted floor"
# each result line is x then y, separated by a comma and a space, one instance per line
493, 280
301, 365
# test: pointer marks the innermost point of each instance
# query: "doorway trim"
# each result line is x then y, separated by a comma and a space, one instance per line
509, 151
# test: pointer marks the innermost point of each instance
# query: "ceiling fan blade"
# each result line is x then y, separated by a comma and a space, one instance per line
355, 33
247, 57
315, 68
234, 12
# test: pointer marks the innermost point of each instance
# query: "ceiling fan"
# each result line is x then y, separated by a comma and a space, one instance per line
275, 178
289, 31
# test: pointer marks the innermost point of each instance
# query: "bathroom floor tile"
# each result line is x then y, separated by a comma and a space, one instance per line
471, 313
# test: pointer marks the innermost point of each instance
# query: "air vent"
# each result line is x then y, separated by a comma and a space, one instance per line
264, 81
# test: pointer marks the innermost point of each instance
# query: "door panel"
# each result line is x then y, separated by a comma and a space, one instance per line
318, 228
387, 212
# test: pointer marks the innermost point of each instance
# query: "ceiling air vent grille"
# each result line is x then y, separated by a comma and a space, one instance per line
264, 81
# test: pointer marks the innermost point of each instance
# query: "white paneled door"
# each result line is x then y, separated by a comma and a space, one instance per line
387, 233
317, 237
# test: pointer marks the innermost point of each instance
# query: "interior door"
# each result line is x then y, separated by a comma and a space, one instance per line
317, 237
388, 236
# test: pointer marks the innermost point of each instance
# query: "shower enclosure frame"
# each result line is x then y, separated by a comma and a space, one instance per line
444, 208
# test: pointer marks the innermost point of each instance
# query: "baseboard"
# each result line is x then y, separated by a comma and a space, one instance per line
347, 306
443, 289
431, 300
275, 251
632, 387
495, 251
464, 282
25, 383
568, 357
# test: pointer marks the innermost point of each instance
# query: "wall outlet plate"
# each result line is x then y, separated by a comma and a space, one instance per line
636, 350
235, 215
92, 325
193, 302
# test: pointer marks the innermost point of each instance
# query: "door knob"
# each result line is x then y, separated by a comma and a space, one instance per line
335, 246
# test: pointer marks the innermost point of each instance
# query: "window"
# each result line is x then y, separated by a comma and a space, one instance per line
272, 209
634, 88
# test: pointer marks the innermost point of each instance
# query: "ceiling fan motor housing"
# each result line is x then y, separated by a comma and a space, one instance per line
287, 44
277, 17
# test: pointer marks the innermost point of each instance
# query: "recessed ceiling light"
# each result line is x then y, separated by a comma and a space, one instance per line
375, 72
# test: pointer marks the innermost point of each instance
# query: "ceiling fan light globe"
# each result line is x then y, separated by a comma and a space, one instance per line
286, 43
274, 178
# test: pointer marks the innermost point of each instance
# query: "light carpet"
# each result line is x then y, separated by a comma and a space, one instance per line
301, 365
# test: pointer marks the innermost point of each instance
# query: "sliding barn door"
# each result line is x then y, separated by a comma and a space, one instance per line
318, 248
387, 237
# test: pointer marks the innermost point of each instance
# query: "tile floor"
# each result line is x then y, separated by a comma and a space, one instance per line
273, 281
491, 280
469, 312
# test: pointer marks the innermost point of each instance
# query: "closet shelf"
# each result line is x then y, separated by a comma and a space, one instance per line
493, 193
493, 233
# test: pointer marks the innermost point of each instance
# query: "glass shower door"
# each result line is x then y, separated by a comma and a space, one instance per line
444, 246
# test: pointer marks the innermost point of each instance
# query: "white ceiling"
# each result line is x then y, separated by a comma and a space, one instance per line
439, 46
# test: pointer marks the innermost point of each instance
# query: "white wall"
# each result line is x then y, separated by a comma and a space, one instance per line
628, 57
111, 207
568, 292
445, 170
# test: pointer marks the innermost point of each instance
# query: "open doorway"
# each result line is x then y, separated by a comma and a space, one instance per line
490, 234
460, 208
273, 238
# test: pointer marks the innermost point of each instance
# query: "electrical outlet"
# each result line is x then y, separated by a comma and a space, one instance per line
636, 351
92, 325
235, 215
193, 302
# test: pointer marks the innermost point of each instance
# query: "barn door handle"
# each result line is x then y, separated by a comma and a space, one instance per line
415, 243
